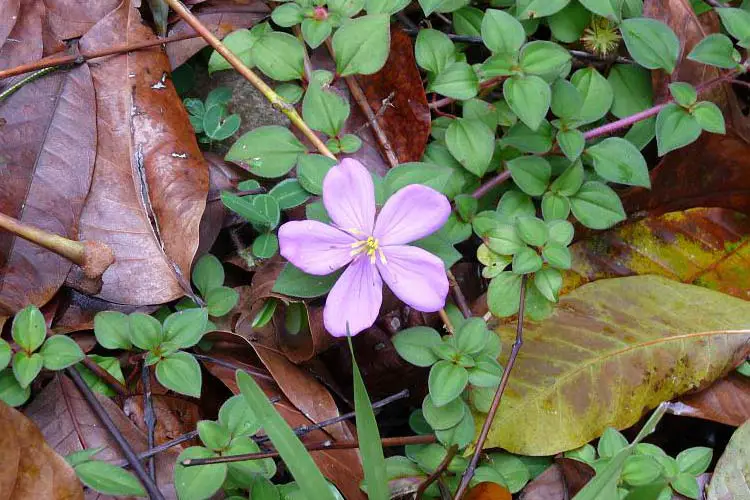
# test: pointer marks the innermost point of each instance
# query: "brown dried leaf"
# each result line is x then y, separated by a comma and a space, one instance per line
150, 181
222, 176
575, 474
726, 401
549, 485
69, 425
10, 9
47, 149
68, 19
175, 416
24, 42
488, 491
30, 468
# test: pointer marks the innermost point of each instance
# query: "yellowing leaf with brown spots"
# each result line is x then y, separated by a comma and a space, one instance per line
612, 350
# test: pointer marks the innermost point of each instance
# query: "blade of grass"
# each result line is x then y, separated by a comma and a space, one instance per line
290, 448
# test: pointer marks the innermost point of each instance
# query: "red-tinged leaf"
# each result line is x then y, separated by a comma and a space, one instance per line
549, 485
30, 467
24, 42
10, 9
47, 149
150, 182
68, 19
221, 18
61, 413
488, 491
406, 120
575, 473
726, 401
706, 247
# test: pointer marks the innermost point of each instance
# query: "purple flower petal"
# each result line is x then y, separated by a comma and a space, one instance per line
416, 277
355, 299
349, 197
414, 212
314, 247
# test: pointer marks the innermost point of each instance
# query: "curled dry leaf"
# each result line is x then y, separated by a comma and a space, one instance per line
68, 424
731, 478
726, 401
150, 181
30, 468
612, 350
47, 150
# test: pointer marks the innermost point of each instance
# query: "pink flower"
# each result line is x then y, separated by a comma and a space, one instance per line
374, 250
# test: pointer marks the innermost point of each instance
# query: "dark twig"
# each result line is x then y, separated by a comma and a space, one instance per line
436, 473
466, 479
149, 417
491, 184
162, 447
103, 374
459, 296
742, 83
229, 364
106, 420
326, 445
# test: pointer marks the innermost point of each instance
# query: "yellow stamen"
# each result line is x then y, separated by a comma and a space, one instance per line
370, 246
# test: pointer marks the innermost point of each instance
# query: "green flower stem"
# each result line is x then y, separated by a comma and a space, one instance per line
28, 79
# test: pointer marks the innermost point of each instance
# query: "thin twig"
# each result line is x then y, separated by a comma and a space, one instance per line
103, 374
307, 65
233, 366
12, 89
436, 473
85, 56
740, 82
106, 420
326, 445
149, 417
466, 479
446, 321
158, 449
459, 296
491, 184
275, 99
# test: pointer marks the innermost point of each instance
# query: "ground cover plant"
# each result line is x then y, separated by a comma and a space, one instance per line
375, 249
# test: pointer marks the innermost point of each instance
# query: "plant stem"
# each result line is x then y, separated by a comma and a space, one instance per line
93, 257
106, 420
485, 85
149, 417
436, 473
232, 366
275, 99
459, 297
446, 321
466, 479
17, 86
491, 184
103, 374
326, 445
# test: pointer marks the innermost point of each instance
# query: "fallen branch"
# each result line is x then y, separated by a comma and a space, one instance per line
103, 374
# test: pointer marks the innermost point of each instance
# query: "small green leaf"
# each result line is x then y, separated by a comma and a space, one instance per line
60, 352
617, 160
477, 109
289, 194
501, 32
208, 273
324, 109
631, 85
280, 56
240, 42
675, 128
185, 328
597, 206
361, 45
466, 206
265, 246
514, 203
531, 174
570, 181
502, 64
709, 117
504, 239
11, 392
214, 435
446, 382
110, 365
112, 330
221, 300
561, 232
311, 170
652, 43
145, 331
287, 15
270, 151
568, 24
350, 143
548, 282
468, 21
535, 9
458, 80
566, 99
415, 345
596, 92
443, 417
486, 373
555, 206
542, 57
220, 96
447, 179
296, 283
433, 50
717, 50
737, 23
109, 479
686, 484
243, 472
526, 261
200, 482
460, 434
29, 328
472, 336
532, 230
316, 31
683, 93
260, 209
529, 97
695, 461
558, 256
238, 417
514, 472
385, 6
472, 143
5, 354
503, 294
639, 470
290, 92
571, 142
611, 443
605, 8
26, 367
180, 372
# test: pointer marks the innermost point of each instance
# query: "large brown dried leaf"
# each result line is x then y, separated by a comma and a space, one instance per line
24, 42
726, 401
10, 9
73, 18
612, 350
150, 181
47, 149
69, 425
30, 469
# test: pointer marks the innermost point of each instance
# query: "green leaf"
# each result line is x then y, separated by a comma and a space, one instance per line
486, 373
737, 23
289, 194
604, 8
596, 92
430, 6
60, 352
350, 143
270, 151
185, 328
468, 21
11, 393
323, 109
466, 206
260, 209
265, 246
617, 160
503, 294
695, 460
542, 57
532, 230
220, 96
280, 56
561, 232
110, 365
446, 179
529, 97
501, 32
568, 24
85, 455
446, 382
460, 434
240, 42
290, 92
640, 470
652, 43
687, 485
472, 143
675, 128
632, 89
477, 109
458, 80
502, 64
526, 261
296, 283
208, 273
29, 328
291, 450
534, 9
514, 203
385, 6
109, 479
434, 51
221, 300
597, 206
26, 367
243, 472
548, 282
526, 140
570, 181
222, 128
198, 482
238, 417
683, 93
145, 331
555, 206
709, 117
311, 170
472, 336
504, 239
316, 31
180, 372
214, 435
531, 174
287, 15
566, 99
5, 354
441, 248
415, 345
316, 211
112, 329
361, 45
571, 142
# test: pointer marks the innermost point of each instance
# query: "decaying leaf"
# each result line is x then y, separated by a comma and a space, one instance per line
10, 10
612, 350
726, 401
68, 19
731, 479
30, 468
150, 181
24, 43
488, 491
47, 149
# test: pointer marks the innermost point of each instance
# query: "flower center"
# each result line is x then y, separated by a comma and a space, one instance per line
369, 247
